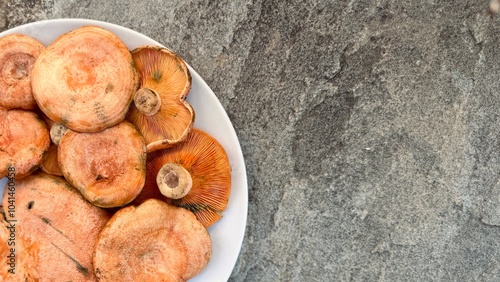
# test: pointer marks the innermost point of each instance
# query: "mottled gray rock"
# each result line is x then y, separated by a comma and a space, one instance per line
371, 129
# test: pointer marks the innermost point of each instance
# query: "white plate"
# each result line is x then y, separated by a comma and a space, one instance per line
227, 234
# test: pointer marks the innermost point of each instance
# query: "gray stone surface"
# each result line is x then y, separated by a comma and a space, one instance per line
370, 129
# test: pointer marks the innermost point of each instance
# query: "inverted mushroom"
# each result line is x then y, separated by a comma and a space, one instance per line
107, 167
160, 111
24, 138
152, 242
195, 174
85, 79
18, 53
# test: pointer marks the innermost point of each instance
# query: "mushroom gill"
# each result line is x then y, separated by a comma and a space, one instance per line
160, 111
209, 169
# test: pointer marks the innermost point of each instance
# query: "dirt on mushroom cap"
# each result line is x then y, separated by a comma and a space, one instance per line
152, 242
18, 53
24, 138
107, 167
85, 79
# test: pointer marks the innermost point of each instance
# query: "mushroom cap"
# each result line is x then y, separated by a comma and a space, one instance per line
85, 79
25, 260
107, 167
165, 73
58, 224
152, 242
24, 138
50, 163
207, 162
18, 53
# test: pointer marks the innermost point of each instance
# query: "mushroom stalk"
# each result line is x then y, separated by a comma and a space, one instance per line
56, 132
174, 181
147, 101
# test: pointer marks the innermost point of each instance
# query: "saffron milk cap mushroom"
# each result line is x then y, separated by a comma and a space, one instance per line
50, 163
154, 241
160, 111
85, 79
107, 167
195, 174
18, 53
56, 229
24, 139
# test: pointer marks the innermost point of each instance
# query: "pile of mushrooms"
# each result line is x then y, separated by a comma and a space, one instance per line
113, 180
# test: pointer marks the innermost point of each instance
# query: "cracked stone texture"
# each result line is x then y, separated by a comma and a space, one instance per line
370, 129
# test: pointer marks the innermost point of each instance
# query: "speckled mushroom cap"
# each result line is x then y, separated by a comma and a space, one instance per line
107, 167
208, 165
160, 111
154, 241
56, 229
24, 139
18, 53
85, 79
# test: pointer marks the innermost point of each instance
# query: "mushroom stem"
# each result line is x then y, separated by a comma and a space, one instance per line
174, 181
56, 132
147, 101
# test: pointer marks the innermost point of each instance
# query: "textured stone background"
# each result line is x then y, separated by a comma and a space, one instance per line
370, 129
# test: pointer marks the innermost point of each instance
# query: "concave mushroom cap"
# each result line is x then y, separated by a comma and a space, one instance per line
107, 167
18, 53
56, 229
152, 242
207, 162
85, 79
24, 138
160, 111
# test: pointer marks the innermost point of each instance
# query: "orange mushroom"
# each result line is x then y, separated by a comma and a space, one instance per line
56, 229
195, 174
152, 242
85, 79
24, 138
50, 164
160, 111
20, 265
18, 53
57, 130
107, 167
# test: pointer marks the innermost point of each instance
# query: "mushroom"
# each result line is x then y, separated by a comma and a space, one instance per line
56, 230
195, 174
23, 260
24, 138
85, 79
160, 111
57, 130
107, 167
18, 53
50, 164
154, 241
